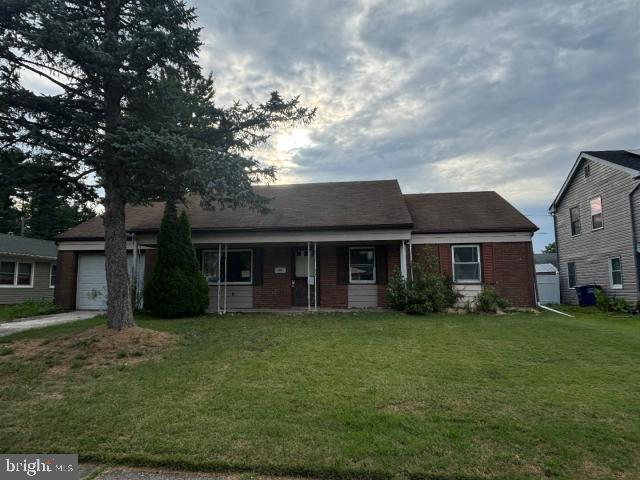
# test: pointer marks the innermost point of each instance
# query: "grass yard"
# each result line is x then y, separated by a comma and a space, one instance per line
30, 308
344, 395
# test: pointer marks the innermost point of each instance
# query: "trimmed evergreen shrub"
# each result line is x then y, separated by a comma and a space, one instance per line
177, 287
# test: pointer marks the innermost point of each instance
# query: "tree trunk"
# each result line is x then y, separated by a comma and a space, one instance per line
119, 311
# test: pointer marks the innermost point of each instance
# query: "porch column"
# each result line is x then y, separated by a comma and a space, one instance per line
403, 260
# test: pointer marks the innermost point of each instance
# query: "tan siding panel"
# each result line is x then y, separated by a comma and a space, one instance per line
239, 297
363, 296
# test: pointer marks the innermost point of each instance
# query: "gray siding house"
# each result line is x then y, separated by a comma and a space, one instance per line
27, 269
597, 224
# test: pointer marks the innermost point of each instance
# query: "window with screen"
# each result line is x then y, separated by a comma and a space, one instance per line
466, 263
362, 265
615, 272
238, 269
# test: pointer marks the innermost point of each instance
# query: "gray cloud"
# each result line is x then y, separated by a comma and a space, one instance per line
489, 94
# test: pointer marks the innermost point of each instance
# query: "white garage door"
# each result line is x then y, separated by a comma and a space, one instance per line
91, 291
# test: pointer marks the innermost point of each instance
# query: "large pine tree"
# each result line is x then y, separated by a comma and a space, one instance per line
128, 104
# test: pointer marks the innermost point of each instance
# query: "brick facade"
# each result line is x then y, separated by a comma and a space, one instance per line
507, 266
275, 291
393, 263
332, 295
66, 276
514, 272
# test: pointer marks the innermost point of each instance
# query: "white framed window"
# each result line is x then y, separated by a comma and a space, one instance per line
615, 272
239, 268
574, 214
573, 275
597, 222
362, 265
52, 275
305, 263
16, 274
466, 263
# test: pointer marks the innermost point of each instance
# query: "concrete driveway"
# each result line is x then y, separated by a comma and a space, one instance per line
29, 323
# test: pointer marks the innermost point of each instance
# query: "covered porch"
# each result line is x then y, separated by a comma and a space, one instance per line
299, 276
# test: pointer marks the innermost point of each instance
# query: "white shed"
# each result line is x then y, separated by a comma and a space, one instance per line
548, 280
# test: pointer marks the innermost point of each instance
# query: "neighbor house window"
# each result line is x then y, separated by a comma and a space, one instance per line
615, 272
596, 213
573, 279
16, 274
574, 213
587, 171
466, 263
52, 276
238, 270
362, 265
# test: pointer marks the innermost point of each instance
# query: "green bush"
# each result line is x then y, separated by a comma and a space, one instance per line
602, 300
177, 287
606, 304
620, 305
427, 292
490, 301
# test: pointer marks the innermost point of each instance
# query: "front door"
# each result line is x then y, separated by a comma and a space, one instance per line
301, 263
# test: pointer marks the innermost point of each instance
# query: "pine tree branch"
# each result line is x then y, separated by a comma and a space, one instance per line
51, 79
48, 67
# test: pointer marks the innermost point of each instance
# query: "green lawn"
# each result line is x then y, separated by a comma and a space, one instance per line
360, 395
30, 308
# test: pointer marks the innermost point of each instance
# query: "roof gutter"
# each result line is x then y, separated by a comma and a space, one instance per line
44, 257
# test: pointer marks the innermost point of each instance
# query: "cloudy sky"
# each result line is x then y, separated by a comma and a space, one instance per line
442, 95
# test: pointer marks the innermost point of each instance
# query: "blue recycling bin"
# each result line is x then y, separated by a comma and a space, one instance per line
587, 294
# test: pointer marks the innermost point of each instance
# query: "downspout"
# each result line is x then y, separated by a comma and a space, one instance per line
219, 255
308, 275
535, 276
315, 276
633, 235
225, 280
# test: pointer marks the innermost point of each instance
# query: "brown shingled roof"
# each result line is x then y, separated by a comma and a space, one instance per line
337, 205
462, 212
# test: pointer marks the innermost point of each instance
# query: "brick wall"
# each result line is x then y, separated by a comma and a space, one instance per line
514, 272
66, 275
393, 262
275, 291
331, 294
507, 266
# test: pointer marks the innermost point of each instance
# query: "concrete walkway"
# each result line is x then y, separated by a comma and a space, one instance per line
29, 323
